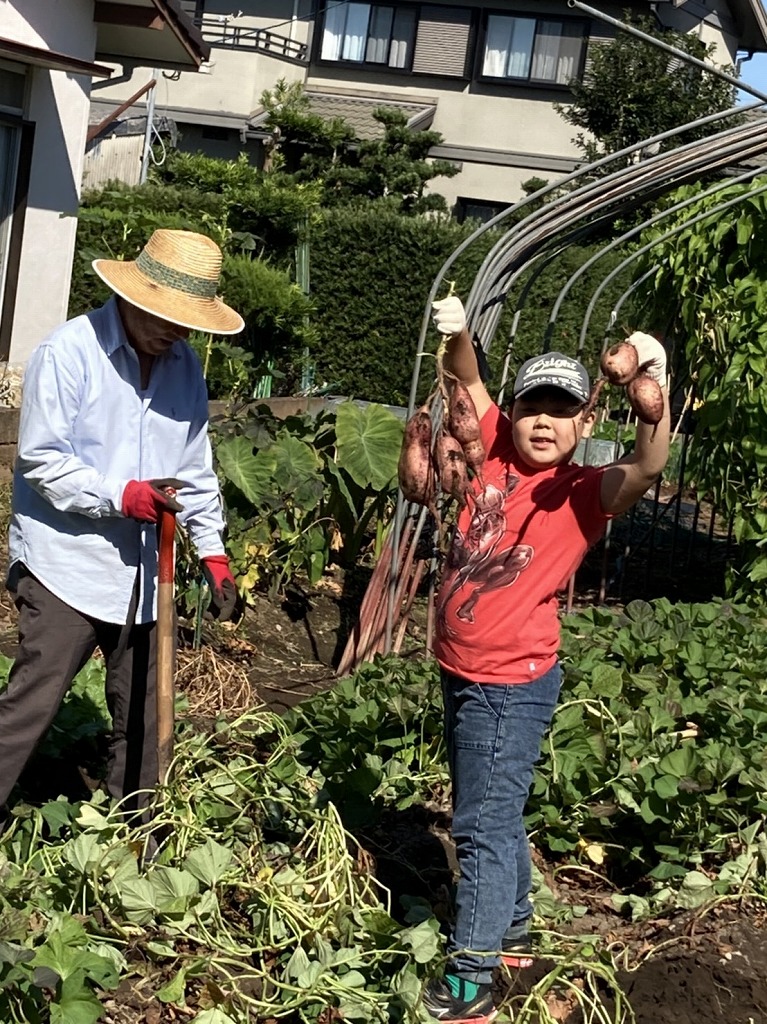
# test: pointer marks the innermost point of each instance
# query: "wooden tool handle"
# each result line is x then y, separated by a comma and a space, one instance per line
165, 642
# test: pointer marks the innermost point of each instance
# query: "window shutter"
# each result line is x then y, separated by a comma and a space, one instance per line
599, 35
442, 42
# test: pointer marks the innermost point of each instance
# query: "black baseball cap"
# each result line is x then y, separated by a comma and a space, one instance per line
556, 370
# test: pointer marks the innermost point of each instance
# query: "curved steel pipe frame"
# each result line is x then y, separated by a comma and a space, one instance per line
581, 172
656, 176
568, 240
670, 234
475, 309
625, 237
633, 287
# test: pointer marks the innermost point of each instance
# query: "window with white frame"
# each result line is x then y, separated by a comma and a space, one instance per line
369, 34
533, 49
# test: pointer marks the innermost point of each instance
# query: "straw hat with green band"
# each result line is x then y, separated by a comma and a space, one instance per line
176, 277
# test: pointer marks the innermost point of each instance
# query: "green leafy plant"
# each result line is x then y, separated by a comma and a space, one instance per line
394, 166
257, 902
710, 286
303, 490
632, 91
256, 905
375, 740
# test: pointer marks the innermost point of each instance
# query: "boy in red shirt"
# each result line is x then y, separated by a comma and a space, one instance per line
533, 518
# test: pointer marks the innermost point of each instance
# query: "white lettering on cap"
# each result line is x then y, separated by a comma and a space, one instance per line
556, 361
570, 372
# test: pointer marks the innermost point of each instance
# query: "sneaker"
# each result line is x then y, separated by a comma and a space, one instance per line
462, 1008
517, 953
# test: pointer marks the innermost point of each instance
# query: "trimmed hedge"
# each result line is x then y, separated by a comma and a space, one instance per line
371, 272
371, 269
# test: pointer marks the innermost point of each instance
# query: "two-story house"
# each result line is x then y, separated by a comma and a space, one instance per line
51, 51
483, 73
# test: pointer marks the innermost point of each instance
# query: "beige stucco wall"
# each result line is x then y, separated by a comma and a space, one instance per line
518, 122
232, 83
58, 105
718, 28
507, 119
233, 80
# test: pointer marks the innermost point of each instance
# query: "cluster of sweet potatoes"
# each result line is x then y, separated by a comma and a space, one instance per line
426, 463
620, 365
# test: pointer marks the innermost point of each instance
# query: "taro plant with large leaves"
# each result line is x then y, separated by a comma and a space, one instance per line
304, 491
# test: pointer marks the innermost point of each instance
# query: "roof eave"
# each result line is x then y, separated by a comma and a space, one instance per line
751, 19
184, 29
184, 48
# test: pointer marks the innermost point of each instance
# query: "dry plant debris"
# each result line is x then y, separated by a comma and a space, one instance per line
214, 683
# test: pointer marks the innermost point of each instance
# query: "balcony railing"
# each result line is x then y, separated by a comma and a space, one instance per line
222, 32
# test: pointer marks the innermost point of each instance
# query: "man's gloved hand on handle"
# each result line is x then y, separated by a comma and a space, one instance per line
651, 355
146, 499
223, 589
448, 315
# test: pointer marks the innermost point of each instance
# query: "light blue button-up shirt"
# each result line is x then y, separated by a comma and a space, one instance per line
86, 429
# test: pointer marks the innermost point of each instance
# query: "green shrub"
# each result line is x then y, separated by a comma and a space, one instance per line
371, 272
276, 314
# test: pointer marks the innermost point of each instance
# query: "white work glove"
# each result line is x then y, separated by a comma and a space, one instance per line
650, 352
448, 315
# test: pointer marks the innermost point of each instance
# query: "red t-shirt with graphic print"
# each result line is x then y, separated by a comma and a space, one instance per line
517, 543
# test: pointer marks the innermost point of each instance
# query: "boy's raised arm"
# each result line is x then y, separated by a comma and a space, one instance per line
460, 359
626, 481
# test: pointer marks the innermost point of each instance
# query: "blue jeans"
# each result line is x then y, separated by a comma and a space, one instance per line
493, 734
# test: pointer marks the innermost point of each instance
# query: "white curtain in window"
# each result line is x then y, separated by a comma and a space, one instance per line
398, 54
402, 38
355, 35
557, 51
497, 44
508, 47
546, 53
377, 51
521, 49
570, 49
333, 31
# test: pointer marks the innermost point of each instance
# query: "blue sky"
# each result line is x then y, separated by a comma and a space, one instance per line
754, 72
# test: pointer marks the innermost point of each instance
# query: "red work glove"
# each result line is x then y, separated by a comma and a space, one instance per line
145, 499
223, 589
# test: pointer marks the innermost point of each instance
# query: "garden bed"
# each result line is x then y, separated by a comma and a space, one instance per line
700, 965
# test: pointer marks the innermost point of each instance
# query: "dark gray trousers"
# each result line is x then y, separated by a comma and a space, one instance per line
55, 643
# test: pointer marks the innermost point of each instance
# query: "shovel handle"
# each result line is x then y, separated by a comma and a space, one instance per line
165, 642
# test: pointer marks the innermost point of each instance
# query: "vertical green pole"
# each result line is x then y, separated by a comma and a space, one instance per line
303, 282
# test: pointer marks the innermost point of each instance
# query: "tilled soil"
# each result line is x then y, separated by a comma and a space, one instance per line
717, 976
694, 967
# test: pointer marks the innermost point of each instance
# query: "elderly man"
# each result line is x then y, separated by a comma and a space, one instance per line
113, 420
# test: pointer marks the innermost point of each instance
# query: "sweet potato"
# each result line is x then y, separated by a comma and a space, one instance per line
451, 466
462, 420
415, 471
474, 453
620, 363
646, 399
